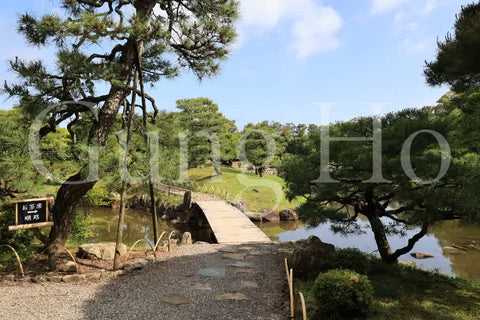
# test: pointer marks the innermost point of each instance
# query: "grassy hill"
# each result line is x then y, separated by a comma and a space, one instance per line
235, 185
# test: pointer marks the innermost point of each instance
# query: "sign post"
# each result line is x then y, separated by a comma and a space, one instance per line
31, 213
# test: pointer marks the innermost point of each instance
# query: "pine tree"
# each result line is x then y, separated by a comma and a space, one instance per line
202, 115
173, 34
458, 63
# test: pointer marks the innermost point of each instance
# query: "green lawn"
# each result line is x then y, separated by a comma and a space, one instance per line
258, 193
408, 293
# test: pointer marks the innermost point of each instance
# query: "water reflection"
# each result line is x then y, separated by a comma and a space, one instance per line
138, 225
464, 263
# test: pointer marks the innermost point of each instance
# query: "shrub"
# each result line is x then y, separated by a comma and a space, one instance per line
350, 258
96, 197
343, 293
20, 240
81, 228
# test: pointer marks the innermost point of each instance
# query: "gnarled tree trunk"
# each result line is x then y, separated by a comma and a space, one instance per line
381, 239
70, 194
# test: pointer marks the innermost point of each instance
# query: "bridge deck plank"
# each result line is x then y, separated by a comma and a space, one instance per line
230, 225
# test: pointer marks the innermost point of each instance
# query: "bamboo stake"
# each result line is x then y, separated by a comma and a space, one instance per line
292, 296
121, 217
144, 112
16, 255
304, 308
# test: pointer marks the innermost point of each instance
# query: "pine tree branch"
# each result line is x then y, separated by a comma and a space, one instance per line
411, 242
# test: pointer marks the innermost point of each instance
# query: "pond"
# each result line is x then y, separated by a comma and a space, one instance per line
463, 263
447, 234
138, 225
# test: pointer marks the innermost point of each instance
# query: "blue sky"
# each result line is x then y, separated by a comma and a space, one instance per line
291, 55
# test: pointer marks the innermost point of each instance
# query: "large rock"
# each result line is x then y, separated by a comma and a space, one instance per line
186, 238
422, 255
288, 215
269, 215
255, 217
242, 206
103, 250
70, 266
308, 257
407, 263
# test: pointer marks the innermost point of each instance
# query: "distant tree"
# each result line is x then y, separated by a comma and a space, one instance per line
265, 143
298, 135
391, 208
458, 63
16, 171
202, 115
164, 36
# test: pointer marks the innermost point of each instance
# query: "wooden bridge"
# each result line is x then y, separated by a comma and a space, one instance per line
230, 225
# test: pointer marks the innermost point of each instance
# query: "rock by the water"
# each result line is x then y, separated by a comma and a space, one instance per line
422, 255
452, 250
269, 215
70, 266
175, 299
242, 206
255, 217
407, 263
103, 250
309, 255
187, 238
288, 215
231, 296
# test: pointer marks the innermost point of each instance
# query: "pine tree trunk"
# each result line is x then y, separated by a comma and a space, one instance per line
69, 195
381, 239
64, 211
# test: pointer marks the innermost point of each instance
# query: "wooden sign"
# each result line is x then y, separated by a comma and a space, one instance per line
31, 213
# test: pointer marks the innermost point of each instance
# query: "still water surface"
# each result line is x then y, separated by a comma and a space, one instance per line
461, 263
464, 263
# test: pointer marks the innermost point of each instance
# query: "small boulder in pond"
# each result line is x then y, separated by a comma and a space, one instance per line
269, 215
288, 215
422, 255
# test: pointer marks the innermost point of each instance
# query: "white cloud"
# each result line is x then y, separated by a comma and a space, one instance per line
265, 13
381, 6
316, 32
408, 7
313, 26
409, 20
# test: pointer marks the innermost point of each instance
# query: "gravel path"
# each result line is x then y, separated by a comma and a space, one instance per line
256, 271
